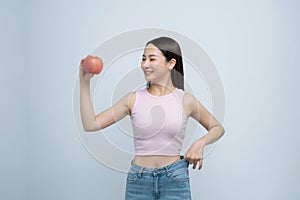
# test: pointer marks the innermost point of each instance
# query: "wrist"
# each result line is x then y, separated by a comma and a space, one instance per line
201, 141
84, 81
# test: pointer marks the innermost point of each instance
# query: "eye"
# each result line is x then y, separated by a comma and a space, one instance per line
143, 59
152, 59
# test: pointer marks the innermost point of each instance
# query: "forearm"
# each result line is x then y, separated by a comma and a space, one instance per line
213, 135
86, 107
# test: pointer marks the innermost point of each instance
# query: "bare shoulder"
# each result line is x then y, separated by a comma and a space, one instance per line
188, 97
125, 104
129, 100
189, 102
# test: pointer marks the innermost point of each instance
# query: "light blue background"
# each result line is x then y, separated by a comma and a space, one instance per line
255, 45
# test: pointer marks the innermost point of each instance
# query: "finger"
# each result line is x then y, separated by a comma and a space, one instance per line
191, 161
188, 159
195, 164
185, 157
200, 163
81, 63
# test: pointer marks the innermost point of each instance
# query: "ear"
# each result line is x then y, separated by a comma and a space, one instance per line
171, 64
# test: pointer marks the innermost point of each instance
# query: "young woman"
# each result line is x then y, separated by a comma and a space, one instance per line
159, 115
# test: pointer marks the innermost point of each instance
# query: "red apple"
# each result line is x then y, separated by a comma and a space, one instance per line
92, 64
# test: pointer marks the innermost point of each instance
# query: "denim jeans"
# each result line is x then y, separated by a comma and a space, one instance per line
164, 183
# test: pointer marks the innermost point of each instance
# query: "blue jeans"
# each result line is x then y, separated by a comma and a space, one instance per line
165, 183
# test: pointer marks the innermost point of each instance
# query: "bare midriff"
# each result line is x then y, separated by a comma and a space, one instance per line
155, 161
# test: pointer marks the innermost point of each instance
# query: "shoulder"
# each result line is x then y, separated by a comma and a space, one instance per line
126, 102
189, 102
188, 98
129, 100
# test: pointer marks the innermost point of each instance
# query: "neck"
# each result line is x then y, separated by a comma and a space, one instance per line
160, 90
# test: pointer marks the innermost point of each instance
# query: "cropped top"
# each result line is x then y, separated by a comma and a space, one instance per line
158, 123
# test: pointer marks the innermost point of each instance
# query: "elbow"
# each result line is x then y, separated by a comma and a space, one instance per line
89, 128
222, 132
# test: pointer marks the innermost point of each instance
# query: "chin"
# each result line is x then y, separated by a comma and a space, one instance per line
148, 79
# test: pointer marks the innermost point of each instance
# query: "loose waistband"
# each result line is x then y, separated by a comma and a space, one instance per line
174, 166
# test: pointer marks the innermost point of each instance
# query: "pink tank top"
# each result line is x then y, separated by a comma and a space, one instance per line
158, 123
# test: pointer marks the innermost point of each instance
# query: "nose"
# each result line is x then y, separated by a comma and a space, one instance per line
145, 64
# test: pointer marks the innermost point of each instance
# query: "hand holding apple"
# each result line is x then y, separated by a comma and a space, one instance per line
92, 64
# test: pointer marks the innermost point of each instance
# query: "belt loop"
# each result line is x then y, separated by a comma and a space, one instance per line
140, 172
167, 171
187, 162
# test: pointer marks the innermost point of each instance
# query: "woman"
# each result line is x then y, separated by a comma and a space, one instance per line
159, 115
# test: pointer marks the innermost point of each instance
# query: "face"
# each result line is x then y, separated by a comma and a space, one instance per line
154, 64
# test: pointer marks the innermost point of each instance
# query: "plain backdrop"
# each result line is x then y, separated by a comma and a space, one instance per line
254, 44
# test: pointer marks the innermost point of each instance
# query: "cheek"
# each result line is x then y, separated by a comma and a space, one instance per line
158, 65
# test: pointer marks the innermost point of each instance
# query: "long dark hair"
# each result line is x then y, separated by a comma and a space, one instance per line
171, 49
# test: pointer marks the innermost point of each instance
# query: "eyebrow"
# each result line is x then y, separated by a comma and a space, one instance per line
151, 55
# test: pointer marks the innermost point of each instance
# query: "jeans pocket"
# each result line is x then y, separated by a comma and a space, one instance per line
180, 174
132, 177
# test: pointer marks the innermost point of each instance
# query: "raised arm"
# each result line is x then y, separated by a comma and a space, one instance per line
93, 122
